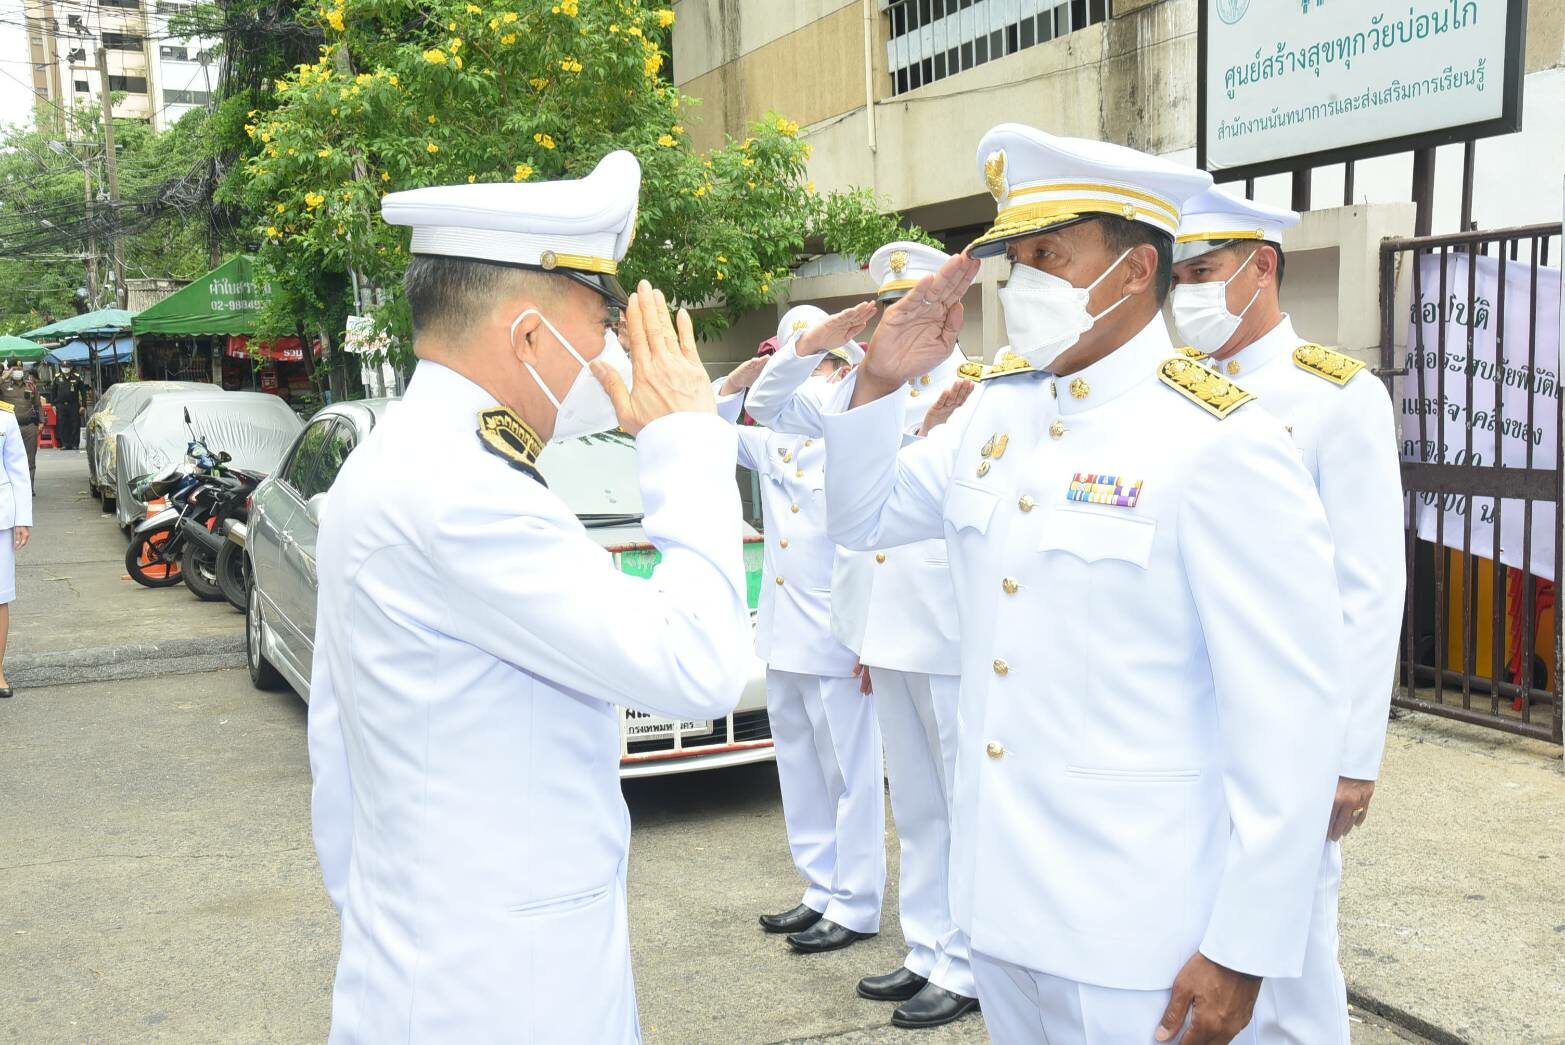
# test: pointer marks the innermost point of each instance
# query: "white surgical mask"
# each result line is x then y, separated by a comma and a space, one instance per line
586, 408
1201, 312
16, 375
1045, 315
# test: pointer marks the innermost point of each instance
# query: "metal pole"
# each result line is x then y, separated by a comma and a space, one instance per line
1424, 191
1301, 189
111, 167
92, 245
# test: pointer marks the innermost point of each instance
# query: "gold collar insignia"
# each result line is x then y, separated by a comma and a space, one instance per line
1212, 392
506, 435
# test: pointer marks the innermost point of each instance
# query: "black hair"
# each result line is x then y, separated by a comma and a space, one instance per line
445, 294
1122, 234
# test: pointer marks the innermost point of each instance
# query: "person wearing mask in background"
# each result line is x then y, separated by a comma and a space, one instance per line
1151, 700
1228, 269
16, 521
823, 729
19, 391
67, 393
894, 609
463, 731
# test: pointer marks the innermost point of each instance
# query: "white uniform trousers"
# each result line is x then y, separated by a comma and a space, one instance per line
1026, 1007
829, 769
1312, 1008
917, 716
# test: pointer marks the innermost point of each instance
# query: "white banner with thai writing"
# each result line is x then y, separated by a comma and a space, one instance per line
1515, 393
1290, 77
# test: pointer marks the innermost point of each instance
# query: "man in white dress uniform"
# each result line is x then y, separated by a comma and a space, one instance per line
894, 608
1228, 270
1151, 705
823, 729
463, 734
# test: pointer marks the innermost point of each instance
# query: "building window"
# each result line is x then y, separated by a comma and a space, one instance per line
933, 39
178, 54
81, 87
171, 97
122, 41
128, 84
130, 5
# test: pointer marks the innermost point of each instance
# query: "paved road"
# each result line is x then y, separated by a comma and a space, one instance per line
160, 885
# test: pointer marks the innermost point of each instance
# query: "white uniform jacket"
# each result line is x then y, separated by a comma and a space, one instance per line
894, 607
1151, 704
1347, 434
16, 482
464, 742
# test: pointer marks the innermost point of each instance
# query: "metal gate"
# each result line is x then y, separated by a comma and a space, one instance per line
1481, 638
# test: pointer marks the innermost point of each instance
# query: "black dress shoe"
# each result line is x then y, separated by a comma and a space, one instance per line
825, 935
894, 986
801, 917
932, 1007
5, 693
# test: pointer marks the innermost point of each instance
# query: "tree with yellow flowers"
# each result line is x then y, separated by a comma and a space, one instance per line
413, 94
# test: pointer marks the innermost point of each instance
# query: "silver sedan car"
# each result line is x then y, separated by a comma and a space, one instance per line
594, 475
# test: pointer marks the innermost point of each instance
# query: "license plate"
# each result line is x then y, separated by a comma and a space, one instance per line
641, 726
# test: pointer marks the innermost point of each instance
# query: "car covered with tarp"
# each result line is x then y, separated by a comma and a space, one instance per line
116, 408
254, 428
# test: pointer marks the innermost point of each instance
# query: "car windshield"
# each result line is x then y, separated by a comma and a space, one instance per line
596, 476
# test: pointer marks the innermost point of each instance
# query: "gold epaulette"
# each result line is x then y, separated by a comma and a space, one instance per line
506, 435
973, 370
1191, 353
1212, 392
7, 407
1325, 363
1008, 365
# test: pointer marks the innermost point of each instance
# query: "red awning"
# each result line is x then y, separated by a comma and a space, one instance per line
281, 350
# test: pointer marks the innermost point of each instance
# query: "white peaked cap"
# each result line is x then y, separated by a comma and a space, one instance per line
897, 267
800, 318
1213, 219
1042, 182
580, 228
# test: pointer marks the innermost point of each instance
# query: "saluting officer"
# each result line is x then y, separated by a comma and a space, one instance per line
463, 733
19, 391
894, 608
1151, 702
1228, 270
827, 742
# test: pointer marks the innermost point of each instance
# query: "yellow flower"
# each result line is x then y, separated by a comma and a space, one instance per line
293, 152
313, 200
700, 191
385, 175
651, 66
271, 231
281, 207
809, 150
456, 42
570, 65
494, 24
323, 153
266, 136
809, 187
569, 7
666, 140
334, 110
433, 118
431, 148
451, 26
250, 130
523, 172
472, 178
474, 9
719, 274
510, 38
508, 17
252, 112
544, 140
787, 126
723, 258
334, 19
665, 18
457, 61
634, 30
678, 129
614, 27
766, 288
340, 230
435, 56
392, 79
751, 184
538, 82
747, 162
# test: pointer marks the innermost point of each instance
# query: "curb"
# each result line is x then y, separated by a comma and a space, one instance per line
1407, 1021
132, 660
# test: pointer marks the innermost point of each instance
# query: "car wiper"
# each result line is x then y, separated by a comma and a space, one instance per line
594, 521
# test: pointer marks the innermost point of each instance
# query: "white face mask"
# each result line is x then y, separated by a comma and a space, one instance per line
1201, 311
586, 408
16, 375
1045, 315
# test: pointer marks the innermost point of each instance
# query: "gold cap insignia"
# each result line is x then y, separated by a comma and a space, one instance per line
548, 259
994, 175
1216, 395
1325, 363
800, 324
506, 435
898, 261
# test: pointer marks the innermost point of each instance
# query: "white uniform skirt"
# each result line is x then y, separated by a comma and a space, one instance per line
7, 567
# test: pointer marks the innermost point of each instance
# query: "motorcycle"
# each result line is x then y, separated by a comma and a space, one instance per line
155, 553
206, 563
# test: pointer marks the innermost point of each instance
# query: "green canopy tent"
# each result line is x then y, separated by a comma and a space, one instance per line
13, 347
104, 324
223, 302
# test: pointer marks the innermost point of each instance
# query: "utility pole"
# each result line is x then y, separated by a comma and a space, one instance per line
92, 245
111, 167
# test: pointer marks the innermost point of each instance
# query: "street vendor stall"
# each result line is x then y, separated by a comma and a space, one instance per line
98, 331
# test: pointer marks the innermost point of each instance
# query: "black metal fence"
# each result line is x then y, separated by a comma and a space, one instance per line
1479, 400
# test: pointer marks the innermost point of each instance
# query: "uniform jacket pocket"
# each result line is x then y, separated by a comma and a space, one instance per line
1094, 536
559, 904
970, 507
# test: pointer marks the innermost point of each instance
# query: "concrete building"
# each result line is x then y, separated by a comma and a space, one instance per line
154, 75
894, 95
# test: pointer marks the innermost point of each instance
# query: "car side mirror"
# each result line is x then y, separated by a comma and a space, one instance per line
314, 507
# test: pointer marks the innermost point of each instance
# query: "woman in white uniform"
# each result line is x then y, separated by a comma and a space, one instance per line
16, 520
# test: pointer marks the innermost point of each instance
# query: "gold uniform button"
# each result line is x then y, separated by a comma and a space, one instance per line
1001, 668
1025, 504
1080, 389
798, 473
1233, 367
995, 749
794, 508
880, 556
924, 380
1010, 586
1057, 430
785, 455
809, 442
779, 582
783, 543
913, 392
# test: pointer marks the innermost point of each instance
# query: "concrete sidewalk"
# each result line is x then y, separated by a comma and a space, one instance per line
1453, 894
79, 616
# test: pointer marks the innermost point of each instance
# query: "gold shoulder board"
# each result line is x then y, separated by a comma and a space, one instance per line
1191, 353
508, 436
1008, 365
973, 370
7, 407
1323, 362
1212, 392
